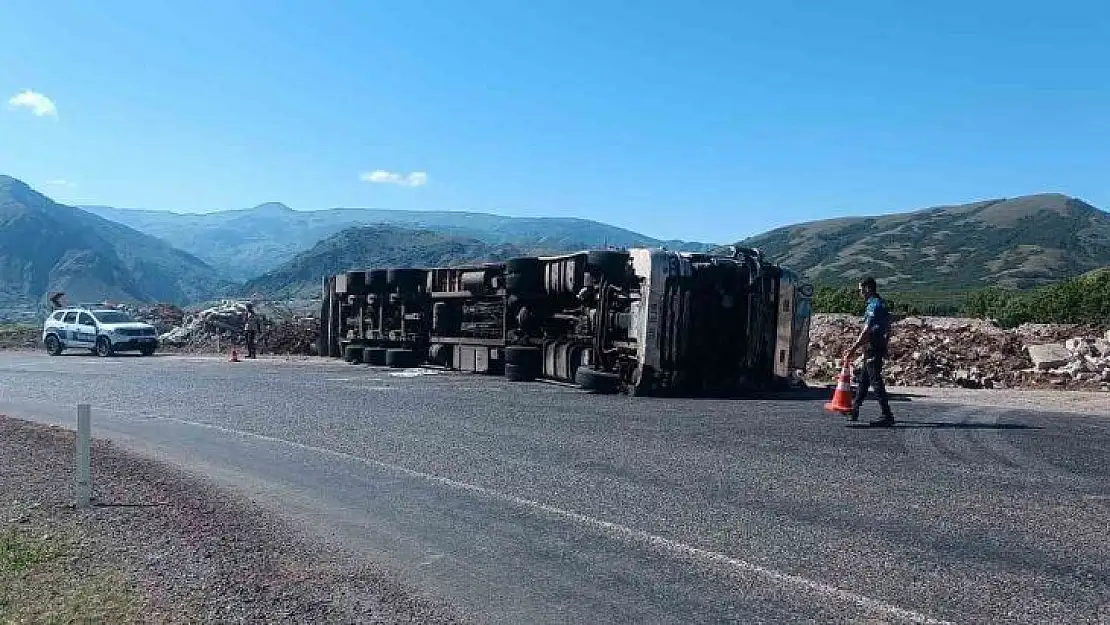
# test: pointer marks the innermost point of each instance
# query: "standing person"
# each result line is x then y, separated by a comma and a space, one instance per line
873, 340
254, 328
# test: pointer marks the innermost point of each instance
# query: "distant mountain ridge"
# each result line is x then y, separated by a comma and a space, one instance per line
249, 242
369, 247
1017, 242
46, 246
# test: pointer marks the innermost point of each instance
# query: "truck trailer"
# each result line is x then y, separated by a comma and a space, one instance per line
639, 321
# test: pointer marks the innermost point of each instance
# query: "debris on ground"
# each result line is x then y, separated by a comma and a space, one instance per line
19, 336
222, 326
971, 353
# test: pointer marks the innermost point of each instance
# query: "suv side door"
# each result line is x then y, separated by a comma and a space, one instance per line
68, 328
86, 331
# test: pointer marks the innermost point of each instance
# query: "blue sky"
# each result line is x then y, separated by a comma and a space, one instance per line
698, 120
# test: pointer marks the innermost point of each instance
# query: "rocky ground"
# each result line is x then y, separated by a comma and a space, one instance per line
161, 547
972, 353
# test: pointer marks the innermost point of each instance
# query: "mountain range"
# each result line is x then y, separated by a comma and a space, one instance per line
366, 247
46, 246
1015, 243
275, 251
247, 243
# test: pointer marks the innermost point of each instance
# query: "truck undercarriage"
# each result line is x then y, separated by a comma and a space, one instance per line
642, 321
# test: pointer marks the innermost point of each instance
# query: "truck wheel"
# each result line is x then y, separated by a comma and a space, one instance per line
519, 373
352, 354
524, 264
608, 263
404, 279
377, 279
597, 381
147, 351
374, 356
400, 358
440, 354
104, 347
53, 346
529, 359
524, 275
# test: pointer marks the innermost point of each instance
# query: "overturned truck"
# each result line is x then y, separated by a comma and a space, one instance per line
642, 321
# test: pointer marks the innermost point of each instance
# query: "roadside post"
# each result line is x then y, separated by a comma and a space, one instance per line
83, 475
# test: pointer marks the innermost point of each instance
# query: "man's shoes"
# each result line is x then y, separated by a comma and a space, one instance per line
885, 422
853, 414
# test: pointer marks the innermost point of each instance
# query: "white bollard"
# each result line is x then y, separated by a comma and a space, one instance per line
84, 456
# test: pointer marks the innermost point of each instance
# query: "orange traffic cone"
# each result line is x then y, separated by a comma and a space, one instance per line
842, 397
234, 355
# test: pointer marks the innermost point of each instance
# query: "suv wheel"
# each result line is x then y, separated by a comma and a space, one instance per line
147, 351
103, 347
53, 346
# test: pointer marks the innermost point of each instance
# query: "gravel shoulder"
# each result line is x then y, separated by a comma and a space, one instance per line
1094, 403
161, 546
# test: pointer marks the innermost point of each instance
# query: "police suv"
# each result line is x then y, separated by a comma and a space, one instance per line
102, 331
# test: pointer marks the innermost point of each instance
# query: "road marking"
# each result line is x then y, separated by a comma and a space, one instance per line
659, 542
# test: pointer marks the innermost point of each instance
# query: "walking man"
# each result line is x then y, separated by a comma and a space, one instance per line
873, 340
254, 328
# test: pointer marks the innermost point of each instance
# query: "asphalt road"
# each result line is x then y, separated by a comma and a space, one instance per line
535, 503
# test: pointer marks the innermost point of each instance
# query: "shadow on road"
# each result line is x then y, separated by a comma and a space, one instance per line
948, 425
823, 393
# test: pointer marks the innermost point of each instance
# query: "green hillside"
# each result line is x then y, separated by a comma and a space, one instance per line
1011, 243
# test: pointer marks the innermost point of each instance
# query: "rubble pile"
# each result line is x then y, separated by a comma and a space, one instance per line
222, 326
19, 336
295, 336
971, 353
163, 317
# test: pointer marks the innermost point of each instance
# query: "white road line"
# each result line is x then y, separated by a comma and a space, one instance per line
659, 542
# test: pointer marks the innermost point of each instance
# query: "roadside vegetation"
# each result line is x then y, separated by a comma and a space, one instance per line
42, 581
1082, 300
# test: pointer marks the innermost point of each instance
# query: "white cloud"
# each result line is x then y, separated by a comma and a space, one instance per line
35, 102
381, 176
60, 183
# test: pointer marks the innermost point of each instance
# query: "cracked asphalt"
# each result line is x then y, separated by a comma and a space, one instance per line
536, 503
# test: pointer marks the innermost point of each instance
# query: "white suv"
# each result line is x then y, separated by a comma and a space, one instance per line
103, 332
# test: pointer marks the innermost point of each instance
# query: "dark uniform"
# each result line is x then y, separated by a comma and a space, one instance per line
254, 328
876, 322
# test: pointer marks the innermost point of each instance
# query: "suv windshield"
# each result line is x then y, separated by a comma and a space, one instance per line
112, 316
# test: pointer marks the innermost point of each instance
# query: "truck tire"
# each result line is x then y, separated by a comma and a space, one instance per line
374, 356
54, 346
440, 354
597, 381
404, 279
356, 282
352, 354
147, 350
523, 265
524, 356
519, 373
608, 263
524, 276
377, 279
400, 358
